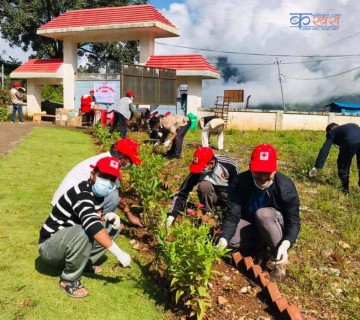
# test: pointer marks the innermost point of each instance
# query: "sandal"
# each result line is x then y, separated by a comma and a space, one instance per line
70, 288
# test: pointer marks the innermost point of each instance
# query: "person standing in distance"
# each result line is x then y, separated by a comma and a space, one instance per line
122, 113
347, 138
212, 125
17, 94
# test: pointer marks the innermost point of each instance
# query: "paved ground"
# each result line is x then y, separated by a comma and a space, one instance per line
11, 134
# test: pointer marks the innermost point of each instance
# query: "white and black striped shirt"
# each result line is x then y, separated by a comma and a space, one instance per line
77, 206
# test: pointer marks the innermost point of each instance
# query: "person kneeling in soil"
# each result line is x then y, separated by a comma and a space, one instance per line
263, 211
212, 174
77, 233
127, 152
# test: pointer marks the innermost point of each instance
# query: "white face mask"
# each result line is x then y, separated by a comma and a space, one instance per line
264, 186
103, 187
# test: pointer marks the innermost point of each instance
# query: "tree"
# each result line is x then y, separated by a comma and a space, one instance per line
21, 19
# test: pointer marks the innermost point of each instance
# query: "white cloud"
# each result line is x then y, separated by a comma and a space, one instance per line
255, 26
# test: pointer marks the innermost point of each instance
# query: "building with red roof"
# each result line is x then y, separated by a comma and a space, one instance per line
141, 23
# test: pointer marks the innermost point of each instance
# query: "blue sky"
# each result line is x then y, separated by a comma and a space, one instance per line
162, 4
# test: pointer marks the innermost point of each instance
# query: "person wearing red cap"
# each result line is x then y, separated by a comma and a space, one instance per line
212, 174
174, 127
17, 95
262, 210
122, 113
76, 234
127, 152
87, 112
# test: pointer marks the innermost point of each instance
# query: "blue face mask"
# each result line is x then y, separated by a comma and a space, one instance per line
102, 187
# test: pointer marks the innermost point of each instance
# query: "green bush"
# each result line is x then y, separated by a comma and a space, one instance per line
189, 254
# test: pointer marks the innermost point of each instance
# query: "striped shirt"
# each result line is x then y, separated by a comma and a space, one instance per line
77, 206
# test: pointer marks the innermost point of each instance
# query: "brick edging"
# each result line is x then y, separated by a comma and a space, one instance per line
262, 278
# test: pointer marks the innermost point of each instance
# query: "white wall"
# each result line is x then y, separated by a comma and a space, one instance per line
280, 120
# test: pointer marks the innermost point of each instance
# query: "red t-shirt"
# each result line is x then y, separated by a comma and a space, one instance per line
86, 103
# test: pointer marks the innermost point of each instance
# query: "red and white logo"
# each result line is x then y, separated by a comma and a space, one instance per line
195, 160
114, 164
264, 156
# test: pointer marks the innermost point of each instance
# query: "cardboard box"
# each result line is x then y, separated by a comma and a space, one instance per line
73, 121
61, 116
37, 118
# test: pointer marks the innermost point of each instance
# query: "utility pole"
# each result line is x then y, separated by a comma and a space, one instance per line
2, 76
282, 94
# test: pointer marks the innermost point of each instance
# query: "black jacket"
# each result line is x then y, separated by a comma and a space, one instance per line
282, 196
347, 135
179, 201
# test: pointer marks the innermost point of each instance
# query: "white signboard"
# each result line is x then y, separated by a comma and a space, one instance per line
105, 93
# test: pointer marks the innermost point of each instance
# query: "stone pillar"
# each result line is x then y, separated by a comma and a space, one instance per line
70, 67
147, 42
194, 95
33, 98
279, 120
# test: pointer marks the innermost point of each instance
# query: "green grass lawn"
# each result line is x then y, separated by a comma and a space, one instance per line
31, 174
28, 288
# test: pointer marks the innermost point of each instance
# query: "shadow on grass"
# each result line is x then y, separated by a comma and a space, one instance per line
156, 287
55, 271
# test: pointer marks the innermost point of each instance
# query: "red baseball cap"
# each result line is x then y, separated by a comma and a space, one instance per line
130, 93
167, 114
129, 148
108, 165
263, 158
16, 85
202, 156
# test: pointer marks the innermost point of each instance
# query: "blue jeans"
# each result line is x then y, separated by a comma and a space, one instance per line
18, 108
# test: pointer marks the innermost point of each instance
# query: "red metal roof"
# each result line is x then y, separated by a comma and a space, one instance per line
107, 16
40, 66
181, 62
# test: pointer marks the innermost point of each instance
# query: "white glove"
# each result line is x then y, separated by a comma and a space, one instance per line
282, 254
313, 172
122, 256
160, 134
222, 244
167, 143
114, 218
169, 221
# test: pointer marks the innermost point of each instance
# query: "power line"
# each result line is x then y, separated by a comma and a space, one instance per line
334, 75
260, 54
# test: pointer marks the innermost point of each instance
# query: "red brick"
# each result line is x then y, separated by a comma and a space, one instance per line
282, 304
255, 271
293, 313
248, 261
237, 257
264, 279
273, 291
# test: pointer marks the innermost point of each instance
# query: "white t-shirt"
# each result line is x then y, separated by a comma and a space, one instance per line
81, 172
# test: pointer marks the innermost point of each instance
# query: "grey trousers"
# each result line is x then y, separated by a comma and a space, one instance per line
209, 197
252, 238
72, 248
